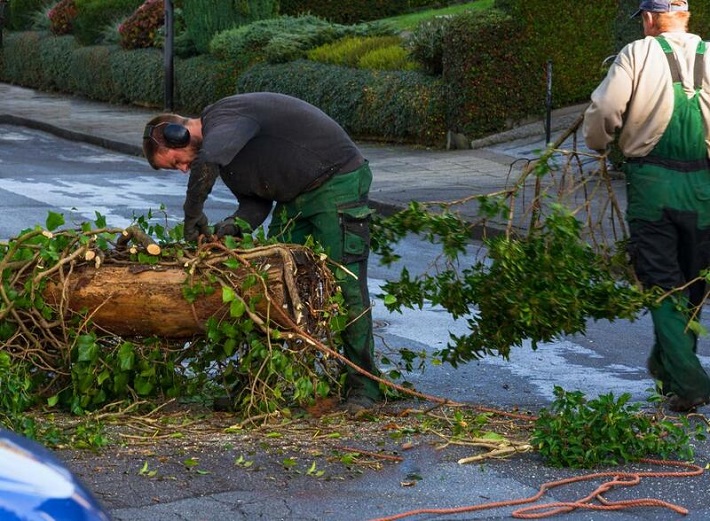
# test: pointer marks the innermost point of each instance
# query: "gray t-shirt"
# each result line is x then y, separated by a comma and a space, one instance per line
266, 147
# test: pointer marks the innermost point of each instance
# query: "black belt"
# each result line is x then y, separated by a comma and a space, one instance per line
349, 166
672, 164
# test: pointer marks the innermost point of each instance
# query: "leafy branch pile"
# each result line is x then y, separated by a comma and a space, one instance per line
57, 355
554, 257
580, 433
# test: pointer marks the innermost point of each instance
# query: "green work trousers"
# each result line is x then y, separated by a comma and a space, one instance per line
337, 216
669, 220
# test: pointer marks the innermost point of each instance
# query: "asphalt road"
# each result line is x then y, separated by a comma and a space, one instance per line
39, 173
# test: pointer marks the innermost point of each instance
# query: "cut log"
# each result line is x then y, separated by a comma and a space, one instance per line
134, 300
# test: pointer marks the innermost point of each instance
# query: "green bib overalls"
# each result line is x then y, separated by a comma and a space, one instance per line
669, 220
337, 216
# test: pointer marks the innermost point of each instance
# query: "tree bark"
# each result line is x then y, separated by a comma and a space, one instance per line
134, 300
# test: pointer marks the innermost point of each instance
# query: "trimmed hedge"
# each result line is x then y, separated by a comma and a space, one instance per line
108, 73
22, 63
55, 56
93, 74
403, 107
488, 85
138, 74
551, 31
202, 80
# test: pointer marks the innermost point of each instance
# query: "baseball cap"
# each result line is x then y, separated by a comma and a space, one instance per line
661, 6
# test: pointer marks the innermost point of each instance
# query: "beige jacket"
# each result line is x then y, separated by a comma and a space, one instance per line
637, 95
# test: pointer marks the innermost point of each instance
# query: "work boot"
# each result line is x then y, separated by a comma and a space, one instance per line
224, 403
662, 386
358, 403
679, 404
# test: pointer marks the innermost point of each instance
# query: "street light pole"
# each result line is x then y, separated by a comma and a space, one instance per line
168, 54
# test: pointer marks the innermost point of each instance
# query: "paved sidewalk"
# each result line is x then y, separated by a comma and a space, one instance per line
401, 173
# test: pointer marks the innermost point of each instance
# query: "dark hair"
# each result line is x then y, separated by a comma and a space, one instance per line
153, 140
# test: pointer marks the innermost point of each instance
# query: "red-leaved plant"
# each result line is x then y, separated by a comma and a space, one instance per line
141, 28
61, 17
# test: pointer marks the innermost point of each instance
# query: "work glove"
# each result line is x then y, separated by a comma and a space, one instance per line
195, 226
227, 227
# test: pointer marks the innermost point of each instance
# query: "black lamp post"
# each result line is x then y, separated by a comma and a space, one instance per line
168, 54
3, 6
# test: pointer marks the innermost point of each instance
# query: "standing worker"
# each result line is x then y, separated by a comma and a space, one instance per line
270, 148
657, 92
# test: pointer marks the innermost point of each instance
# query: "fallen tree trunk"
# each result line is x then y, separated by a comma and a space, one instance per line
285, 284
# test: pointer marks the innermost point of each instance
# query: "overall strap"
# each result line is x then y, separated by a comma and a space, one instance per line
699, 66
672, 60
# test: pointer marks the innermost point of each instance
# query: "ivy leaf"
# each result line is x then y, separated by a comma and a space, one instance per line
228, 294
87, 349
237, 308
100, 220
54, 220
126, 357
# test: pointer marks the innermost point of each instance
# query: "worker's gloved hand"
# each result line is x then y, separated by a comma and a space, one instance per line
194, 227
227, 227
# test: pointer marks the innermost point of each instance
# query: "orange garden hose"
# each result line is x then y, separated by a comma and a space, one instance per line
618, 479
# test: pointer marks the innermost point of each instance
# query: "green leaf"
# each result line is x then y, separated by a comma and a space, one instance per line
126, 357
228, 294
88, 351
100, 220
54, 220
237, 308
103, 376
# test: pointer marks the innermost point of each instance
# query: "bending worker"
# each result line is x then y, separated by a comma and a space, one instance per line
270, 148
657, 92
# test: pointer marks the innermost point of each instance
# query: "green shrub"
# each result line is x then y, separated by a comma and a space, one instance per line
405, 107
139, 76
40, 19
490, 87
93, 75
391, 58
94, 15
426, 44
22, 63
205, 18
56, 57
350, 50
202, 80
283, 39
20, 14
576, 63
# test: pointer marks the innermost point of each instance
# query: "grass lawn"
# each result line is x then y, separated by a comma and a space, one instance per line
409, 21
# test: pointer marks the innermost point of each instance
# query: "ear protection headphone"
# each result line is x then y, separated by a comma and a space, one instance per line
174, 134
